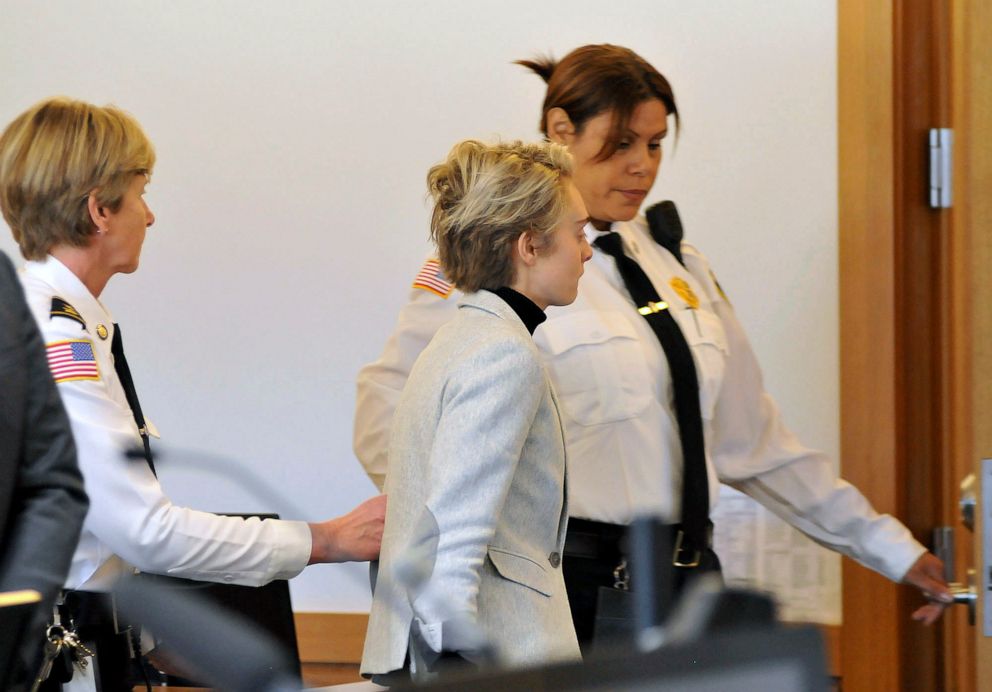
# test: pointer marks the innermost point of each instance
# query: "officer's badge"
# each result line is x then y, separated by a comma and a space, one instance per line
431, 278
102, 332
60, 308
685, 292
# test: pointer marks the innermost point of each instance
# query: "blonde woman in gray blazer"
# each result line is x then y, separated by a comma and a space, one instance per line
471, 554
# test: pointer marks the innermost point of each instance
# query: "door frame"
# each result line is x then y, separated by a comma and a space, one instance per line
911, 314
971, 253
868, 365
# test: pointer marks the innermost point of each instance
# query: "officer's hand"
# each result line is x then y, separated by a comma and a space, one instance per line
356, 536
927, 574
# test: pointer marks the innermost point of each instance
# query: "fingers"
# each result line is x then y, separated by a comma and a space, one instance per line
360, 531
929, 613
927, 574
936, 591
354, 537
376, 507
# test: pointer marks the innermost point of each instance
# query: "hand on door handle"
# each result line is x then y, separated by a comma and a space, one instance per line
966, 595
927, 574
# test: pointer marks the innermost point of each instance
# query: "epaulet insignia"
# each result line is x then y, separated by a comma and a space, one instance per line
60, 308
431, 278
719, 287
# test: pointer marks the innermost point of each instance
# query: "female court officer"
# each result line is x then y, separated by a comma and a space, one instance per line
72, 180
477, 475
634, 431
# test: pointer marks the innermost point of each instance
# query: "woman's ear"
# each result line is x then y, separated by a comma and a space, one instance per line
559, 126
99, 214
526, 249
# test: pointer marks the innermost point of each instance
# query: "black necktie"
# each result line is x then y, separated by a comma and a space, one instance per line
124, 375
695, 485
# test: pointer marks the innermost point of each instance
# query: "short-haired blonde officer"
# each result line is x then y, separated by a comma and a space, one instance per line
72, 180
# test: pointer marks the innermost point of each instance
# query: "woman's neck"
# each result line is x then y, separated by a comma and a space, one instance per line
83, 262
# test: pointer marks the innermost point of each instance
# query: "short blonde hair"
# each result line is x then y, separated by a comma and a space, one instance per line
53, 156
485, 196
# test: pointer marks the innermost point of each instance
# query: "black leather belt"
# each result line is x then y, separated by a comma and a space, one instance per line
88, 609
596, 540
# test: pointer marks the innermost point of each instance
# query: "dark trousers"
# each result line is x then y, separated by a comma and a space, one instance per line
593, 550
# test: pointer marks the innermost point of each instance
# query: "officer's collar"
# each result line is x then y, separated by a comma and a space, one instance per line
69, 287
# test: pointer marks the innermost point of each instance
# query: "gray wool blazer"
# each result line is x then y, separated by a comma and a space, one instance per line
476, 517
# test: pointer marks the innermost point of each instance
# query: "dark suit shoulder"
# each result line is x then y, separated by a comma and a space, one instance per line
8, 275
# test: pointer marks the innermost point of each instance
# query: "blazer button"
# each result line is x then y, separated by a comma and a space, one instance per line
554, 559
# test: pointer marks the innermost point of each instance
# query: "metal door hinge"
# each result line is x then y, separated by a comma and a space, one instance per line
941, 166
968, 501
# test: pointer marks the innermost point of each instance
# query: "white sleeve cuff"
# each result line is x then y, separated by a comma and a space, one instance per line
889, 548
292, 545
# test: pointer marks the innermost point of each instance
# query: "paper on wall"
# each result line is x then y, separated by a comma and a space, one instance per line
760, 551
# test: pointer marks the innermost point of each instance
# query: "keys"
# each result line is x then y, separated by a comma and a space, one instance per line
77, 650
54, 643
621, 576
60, 642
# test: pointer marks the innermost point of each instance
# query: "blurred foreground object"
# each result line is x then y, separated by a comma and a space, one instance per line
224, 650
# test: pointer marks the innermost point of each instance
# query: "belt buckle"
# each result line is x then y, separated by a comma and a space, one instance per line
676, 554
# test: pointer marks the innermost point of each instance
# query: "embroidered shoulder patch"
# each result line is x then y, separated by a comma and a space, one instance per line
72, 360
60, 308
431, 278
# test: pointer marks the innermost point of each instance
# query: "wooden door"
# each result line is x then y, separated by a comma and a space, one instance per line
970, 261
916, 327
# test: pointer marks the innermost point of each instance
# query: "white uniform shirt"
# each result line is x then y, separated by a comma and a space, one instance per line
131, 523
612, 378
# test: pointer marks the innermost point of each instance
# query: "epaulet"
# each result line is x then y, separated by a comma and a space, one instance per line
695, 258
688, 248
431, 278
719, 288
60, 308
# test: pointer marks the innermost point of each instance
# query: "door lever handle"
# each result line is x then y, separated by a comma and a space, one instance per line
965, 594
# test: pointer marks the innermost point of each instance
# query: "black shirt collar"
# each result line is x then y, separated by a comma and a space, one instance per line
526, 309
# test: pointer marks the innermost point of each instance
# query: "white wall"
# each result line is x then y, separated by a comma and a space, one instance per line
293, 140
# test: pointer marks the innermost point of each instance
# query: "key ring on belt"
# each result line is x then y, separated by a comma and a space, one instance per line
621, 576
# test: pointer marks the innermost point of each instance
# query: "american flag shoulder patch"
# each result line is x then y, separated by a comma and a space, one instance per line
431, 278
72, 360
